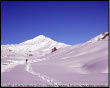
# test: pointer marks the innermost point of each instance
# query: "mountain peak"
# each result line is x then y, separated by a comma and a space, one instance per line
35, 40
42, 40
41, 43
101, 36
40, 37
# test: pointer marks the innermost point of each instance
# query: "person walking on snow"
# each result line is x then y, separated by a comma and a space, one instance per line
26, 60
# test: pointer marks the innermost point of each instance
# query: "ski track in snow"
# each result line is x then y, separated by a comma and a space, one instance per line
29, 69
49, 80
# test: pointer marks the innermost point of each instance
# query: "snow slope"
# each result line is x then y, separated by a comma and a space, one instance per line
85, 63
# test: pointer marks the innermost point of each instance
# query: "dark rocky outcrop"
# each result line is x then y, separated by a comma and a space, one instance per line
10, 50
30, 55
54, 49
105, 35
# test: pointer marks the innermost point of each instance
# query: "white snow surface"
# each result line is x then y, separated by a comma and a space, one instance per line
85, 63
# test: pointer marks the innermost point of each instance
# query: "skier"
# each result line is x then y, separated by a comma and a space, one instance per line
26, 60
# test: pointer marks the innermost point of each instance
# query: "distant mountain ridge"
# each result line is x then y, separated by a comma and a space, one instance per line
42, 45
39, 45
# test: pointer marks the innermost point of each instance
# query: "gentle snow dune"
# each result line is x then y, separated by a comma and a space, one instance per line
20, 76
87, 64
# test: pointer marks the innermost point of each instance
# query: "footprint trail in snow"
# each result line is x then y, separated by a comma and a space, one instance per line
49, 80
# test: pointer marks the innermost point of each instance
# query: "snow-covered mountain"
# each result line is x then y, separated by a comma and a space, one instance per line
39, 46
85, 63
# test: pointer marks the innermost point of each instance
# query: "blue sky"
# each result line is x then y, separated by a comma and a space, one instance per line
71, 22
